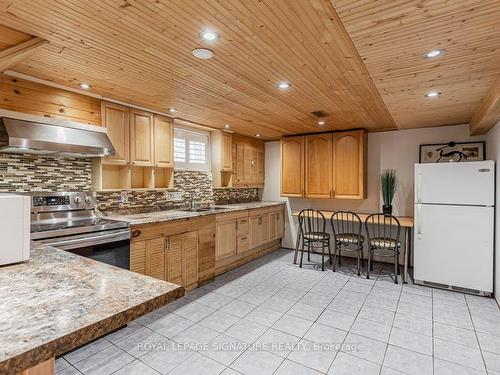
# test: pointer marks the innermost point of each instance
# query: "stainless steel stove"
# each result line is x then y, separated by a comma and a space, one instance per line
69, 221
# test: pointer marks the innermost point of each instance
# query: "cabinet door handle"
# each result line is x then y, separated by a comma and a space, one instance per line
136, 233
236, 224
243, 238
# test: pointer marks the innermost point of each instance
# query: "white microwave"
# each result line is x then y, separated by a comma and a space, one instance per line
15, 221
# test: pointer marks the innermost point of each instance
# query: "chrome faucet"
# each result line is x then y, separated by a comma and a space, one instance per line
192, 203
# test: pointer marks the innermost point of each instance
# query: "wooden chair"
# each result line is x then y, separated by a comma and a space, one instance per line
383, 234
346, 227
312, 227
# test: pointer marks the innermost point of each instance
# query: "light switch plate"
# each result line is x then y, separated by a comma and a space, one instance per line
174, 196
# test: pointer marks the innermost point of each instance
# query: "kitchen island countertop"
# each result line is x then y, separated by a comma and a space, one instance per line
57, 301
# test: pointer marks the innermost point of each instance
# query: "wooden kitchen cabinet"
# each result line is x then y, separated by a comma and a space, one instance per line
245, 235
225, 238
172, 258
318, 165
248, 162
226, 152
349, 164
258, 227
181, 259
155, 258
141, 138
163, 142
276, 222
144, 151
222, 158
115, 118
292, 166
328, 165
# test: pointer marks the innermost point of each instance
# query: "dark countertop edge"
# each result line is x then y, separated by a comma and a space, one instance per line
61, 345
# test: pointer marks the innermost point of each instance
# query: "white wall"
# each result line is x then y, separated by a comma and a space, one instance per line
386, 150
493, 151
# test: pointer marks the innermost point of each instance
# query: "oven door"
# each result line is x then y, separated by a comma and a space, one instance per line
111, 246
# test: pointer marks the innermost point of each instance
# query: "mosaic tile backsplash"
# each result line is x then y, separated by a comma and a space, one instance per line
25, 173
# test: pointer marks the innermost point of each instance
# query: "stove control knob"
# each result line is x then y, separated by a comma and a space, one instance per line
88, 200
77, 200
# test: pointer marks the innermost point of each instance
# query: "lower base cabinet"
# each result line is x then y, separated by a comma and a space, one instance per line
170, 258
276, 222
259, 227
191, 252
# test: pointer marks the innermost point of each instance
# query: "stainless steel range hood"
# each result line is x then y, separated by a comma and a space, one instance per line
24, 133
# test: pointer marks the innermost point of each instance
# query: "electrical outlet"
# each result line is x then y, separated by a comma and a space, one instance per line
123, 197
174, 196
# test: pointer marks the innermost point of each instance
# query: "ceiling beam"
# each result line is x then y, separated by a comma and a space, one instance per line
488, 113
15, 54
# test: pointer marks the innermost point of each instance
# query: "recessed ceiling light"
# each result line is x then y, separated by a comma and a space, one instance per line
283, 85
432, 54
321, 122
227, 126
432, 94
257, 135
172, 110
209, 36
203, 53
85, 86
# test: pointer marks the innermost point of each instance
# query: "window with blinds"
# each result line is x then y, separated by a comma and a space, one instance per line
191, 149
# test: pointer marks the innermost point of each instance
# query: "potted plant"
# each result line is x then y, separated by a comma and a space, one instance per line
388, 185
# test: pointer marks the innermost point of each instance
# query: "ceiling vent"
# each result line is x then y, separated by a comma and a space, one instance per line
319, 114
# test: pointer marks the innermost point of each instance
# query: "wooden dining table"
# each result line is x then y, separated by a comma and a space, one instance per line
406, 223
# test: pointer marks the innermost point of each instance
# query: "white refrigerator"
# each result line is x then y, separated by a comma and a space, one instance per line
454, 225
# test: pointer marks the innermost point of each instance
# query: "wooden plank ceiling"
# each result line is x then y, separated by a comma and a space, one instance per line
140, 52
391, 37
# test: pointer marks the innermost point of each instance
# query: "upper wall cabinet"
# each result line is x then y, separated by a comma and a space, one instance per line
292, 166
318, 166
163, 136
237, 160
141, 145
248, 162
144, 151
334, 164
116, 120
222, 164
349, 164
226, 152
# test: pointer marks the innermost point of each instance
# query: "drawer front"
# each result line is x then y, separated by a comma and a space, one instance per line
258, 211
242, 226
243, 243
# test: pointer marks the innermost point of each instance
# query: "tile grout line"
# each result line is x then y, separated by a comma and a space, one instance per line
475, 334
269, 328
356, 317
392, 326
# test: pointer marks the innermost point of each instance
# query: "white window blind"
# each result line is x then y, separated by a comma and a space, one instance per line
191, 149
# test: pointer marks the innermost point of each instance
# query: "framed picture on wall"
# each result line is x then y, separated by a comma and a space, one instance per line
452, 151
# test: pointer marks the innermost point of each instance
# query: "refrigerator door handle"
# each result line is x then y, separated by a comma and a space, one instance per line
419, 187
419, 220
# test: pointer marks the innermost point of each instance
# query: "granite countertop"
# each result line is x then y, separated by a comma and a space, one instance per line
57, 301
169, 215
